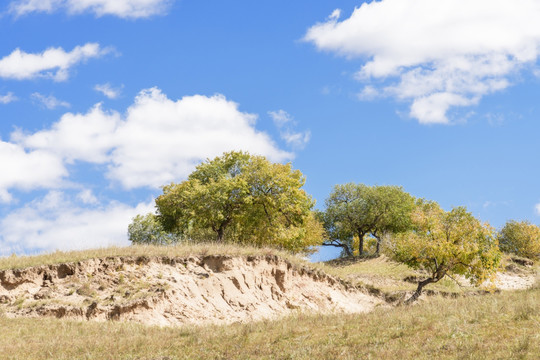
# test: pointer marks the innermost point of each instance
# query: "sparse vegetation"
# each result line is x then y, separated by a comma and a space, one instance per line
177, 250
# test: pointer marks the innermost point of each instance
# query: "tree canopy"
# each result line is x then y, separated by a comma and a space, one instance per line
445, 243
356, 210
242, 198
521, 238
146, 229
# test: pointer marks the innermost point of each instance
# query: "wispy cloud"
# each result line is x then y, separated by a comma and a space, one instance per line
87, 197
108, 90
120, 8
437, 55
9, 97
285, 124
50, 102
54, 63
537, 208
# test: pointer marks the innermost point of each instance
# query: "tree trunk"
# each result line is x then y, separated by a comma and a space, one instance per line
221, 230
418, 291
345, 247
360, 243
378, 249
220, 234
347, 250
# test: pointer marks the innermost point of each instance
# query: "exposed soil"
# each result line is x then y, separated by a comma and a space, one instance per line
176, 291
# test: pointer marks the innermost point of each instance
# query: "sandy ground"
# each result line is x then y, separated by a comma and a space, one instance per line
169, 291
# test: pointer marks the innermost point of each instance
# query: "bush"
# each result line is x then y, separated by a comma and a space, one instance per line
521, 238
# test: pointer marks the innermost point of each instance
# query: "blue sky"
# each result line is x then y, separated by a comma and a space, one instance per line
104, 101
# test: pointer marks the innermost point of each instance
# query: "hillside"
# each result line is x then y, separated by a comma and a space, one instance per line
236, 302
211, 284
165, 290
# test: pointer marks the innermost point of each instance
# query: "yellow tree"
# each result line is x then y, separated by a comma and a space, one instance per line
445, 243
242, 198
521, 238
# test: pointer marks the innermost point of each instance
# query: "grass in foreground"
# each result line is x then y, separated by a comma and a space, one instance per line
502, 326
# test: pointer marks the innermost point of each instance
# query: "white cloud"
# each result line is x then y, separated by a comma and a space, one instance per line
436, 54
537, 208
162, 140
27, 169
53, 63
6, 99
280, 118
50, 102
296, 139
108, 90
57, 222
87, 197
368, 93
285, 123
86, 137
157, 141
26, 6
120, 8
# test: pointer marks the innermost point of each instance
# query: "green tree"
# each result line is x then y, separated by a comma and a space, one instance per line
521, 238
148, 230
356, 210
445, 243
244, 199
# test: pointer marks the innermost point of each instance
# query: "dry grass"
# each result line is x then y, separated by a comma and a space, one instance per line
180, 250
389, 277
499, 326
502, 326
379, 273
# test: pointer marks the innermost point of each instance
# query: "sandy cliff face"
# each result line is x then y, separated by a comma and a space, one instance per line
175, 291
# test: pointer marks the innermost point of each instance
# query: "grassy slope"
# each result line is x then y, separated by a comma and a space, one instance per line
58, 257
501, 326
497, 326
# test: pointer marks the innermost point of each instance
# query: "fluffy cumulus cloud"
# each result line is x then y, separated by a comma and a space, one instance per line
157, 140
26, 170
120, 8
53, 63
7, 98
86, 137
285, 124
56, 221
537, 208
435, 54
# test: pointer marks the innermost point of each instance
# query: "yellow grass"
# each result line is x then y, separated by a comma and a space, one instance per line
501, 326
180, 250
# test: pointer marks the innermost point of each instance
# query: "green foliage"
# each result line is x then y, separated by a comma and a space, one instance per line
521, 238
356, 210
148, 230
445, 243
245, 199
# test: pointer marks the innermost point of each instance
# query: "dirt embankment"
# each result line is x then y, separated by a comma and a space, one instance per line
175, 291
